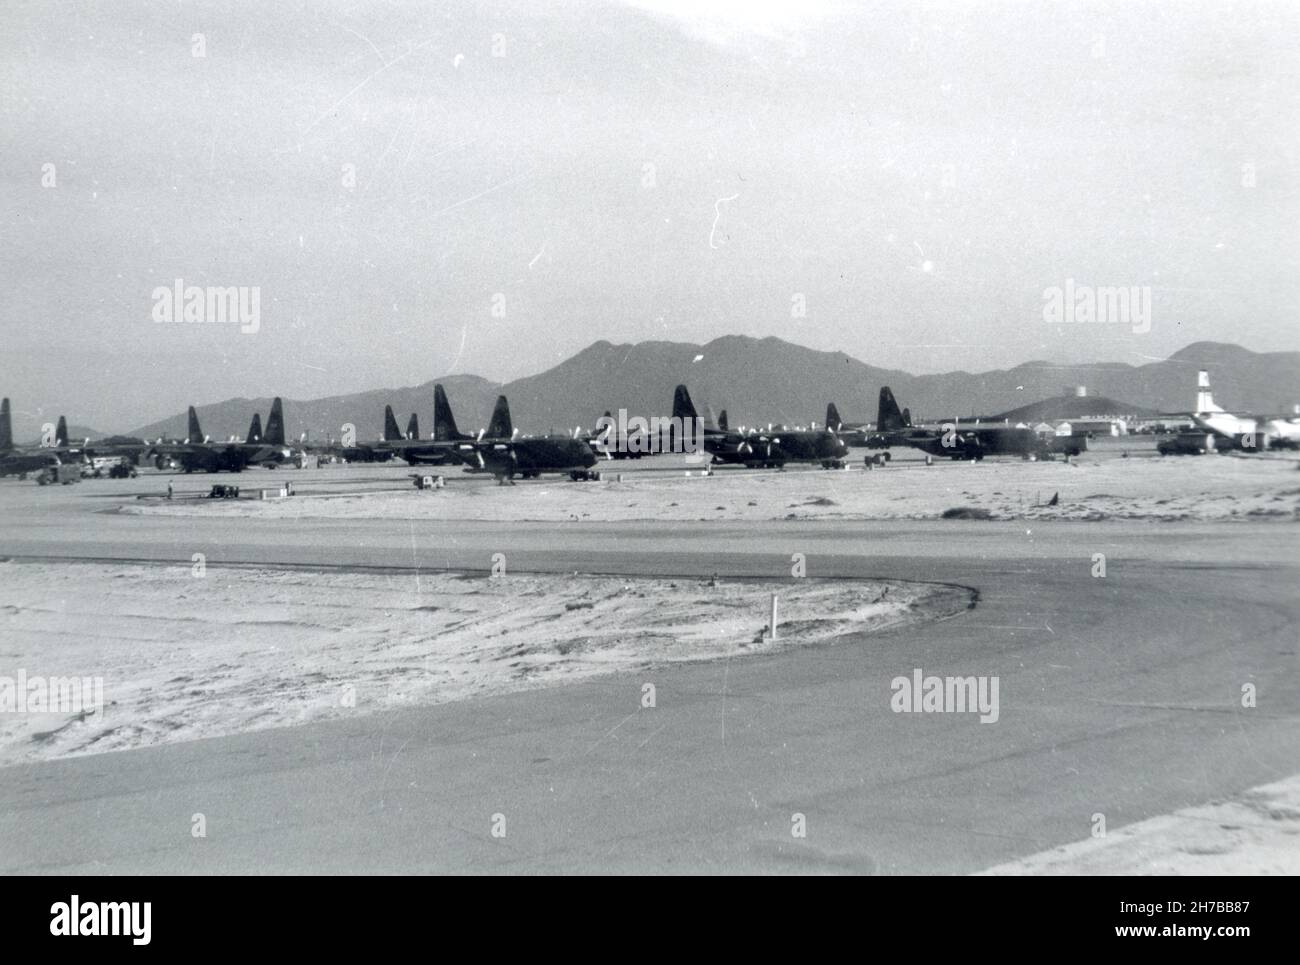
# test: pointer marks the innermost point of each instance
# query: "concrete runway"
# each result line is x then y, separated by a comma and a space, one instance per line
1118, 696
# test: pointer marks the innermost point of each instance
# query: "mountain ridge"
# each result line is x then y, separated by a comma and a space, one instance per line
761, 380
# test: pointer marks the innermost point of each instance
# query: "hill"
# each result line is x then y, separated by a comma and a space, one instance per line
770, 380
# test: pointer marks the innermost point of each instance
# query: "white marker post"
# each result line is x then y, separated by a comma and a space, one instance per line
772, 625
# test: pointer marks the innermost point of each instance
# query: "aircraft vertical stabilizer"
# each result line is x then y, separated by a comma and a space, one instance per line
444, 423
501, 427
889, 418
413, 427
391, 432
195, 434
275, 424
6, 427
683, 407
1204, 398
254, 429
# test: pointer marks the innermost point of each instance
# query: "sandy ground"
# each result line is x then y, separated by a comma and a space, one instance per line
185, 657
1095, 487
1255, 832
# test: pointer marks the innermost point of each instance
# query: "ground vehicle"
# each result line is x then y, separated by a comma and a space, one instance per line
114, 467
1185, 444
63, 473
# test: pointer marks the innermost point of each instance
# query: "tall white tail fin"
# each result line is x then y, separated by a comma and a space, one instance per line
1204, 398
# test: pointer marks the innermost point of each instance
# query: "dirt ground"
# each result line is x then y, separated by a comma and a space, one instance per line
184, 656
1096, 486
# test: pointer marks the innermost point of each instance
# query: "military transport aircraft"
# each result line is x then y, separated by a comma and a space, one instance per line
503, 452
20, 460
58, 450
613, 440
951, 440
1242, 432
416, 451
851, 433
197, 453
61, 450
97, 450
719, 441
378, 451
763, 448
776, 447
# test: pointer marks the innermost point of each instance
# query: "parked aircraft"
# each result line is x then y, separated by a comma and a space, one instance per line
851, 434
614, 441
763, 448
409, 446
954, 441
777, 447
58, 450
197, 453
20, 460
1242, 432
719, 441
503, 452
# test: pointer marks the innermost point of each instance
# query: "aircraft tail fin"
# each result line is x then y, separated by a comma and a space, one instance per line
275, 424
501, 427
6, 427
195, 434
833, 417
907, 417
888, 416
723, 424
254, 429
61, 432
413, 427
391, 432
444, 423
1204, 397
683, 407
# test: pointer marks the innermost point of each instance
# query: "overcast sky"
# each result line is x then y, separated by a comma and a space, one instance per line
916, 175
